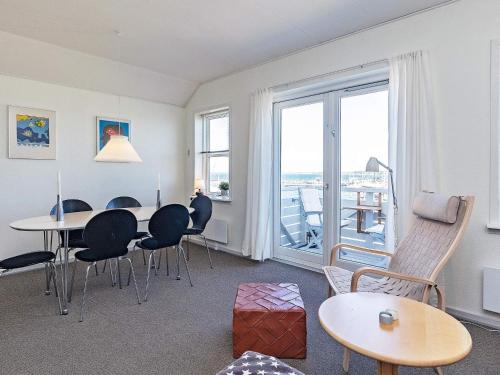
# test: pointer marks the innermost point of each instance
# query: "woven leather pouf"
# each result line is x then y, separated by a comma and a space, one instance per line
270, 319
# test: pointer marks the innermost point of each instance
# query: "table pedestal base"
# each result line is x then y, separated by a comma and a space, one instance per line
386, 369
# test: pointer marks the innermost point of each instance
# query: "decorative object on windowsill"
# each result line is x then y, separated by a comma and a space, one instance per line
199, 186
32, 133
373, 166
158, 194
118, 150
59, 205
224, 188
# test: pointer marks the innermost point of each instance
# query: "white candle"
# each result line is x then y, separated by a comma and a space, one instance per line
59, 183
159, 185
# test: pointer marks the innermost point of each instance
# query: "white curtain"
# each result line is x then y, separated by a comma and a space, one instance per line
257, 240
412, 139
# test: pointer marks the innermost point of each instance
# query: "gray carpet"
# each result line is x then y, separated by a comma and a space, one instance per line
180, 330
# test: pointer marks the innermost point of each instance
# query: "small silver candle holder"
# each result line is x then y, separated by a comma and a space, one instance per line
158, 199
59, 209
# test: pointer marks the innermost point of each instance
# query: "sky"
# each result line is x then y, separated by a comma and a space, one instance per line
363, 132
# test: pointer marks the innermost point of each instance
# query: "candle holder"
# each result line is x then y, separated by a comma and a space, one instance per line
59, 209
158, 199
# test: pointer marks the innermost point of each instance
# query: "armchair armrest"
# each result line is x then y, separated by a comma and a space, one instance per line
377, 271
335, 249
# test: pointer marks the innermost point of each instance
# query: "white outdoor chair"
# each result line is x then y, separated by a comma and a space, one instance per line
310, 201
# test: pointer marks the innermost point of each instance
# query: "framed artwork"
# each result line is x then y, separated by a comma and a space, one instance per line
32, 133
106, 127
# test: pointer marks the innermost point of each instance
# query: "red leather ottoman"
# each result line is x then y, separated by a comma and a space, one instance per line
270, 319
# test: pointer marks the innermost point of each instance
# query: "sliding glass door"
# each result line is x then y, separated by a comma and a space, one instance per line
323, 191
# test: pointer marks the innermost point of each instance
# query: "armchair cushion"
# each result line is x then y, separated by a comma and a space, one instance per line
437, 207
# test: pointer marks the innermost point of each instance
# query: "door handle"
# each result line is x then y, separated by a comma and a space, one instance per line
326, 186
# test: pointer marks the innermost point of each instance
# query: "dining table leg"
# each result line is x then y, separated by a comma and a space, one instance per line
384, 368
65, 274
47, 277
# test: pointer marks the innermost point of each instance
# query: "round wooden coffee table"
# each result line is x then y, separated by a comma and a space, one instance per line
422, 337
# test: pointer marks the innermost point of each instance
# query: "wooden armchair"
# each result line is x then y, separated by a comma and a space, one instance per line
414, 267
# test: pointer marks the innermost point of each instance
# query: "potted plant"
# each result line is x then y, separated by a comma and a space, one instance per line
224, 188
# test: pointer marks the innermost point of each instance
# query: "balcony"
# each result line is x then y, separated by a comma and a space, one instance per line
296, 229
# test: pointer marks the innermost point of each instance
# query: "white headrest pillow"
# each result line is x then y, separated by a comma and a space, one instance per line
438, 207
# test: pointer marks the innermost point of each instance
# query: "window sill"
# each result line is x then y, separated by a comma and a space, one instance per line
220, 198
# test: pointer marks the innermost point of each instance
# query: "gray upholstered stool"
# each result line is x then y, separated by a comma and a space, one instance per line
256, 363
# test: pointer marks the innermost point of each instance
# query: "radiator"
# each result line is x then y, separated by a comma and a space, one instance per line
216, 230
491, 289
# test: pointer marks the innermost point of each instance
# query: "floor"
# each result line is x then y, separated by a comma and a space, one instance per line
179, 331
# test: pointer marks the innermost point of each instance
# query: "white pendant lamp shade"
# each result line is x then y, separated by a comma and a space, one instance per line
118, 150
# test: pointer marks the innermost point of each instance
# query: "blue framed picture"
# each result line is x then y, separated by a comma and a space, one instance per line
106, 127
32, 133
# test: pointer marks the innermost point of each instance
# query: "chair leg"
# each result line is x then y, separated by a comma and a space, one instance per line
144, 256
347, 358
104, 267
129, 275
208, 250
181, 250
119, 273
56, 291
70, 294
187, 248
151, 256
166, 261
159, 262
113, 281
135, 281
178, 277
96, 271
85, 291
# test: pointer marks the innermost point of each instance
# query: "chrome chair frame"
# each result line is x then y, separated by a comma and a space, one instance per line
113, 280
180, 250
51, 275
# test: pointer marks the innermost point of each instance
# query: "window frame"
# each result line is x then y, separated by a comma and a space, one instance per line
207, 154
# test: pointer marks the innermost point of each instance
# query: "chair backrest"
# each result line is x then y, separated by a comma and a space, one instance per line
167, 225
110, 232
202, 211
123, 202
72, 205
310, 200
430, 244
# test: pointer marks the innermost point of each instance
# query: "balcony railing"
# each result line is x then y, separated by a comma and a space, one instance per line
295, 233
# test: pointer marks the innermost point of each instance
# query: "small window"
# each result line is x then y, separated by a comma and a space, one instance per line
216, 157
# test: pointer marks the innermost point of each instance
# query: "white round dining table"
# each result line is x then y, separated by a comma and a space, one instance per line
72, 221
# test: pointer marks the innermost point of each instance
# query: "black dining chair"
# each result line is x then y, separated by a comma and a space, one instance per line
127, 202
200, 216
31, 259
75, 237
107, 235
166, 227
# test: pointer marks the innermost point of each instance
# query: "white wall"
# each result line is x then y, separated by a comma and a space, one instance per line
458, 39
28, 187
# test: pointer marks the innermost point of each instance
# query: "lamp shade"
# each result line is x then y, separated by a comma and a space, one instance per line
199, 184
372, 165
118, 150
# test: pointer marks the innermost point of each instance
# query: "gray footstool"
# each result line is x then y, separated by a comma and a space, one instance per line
253, 363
